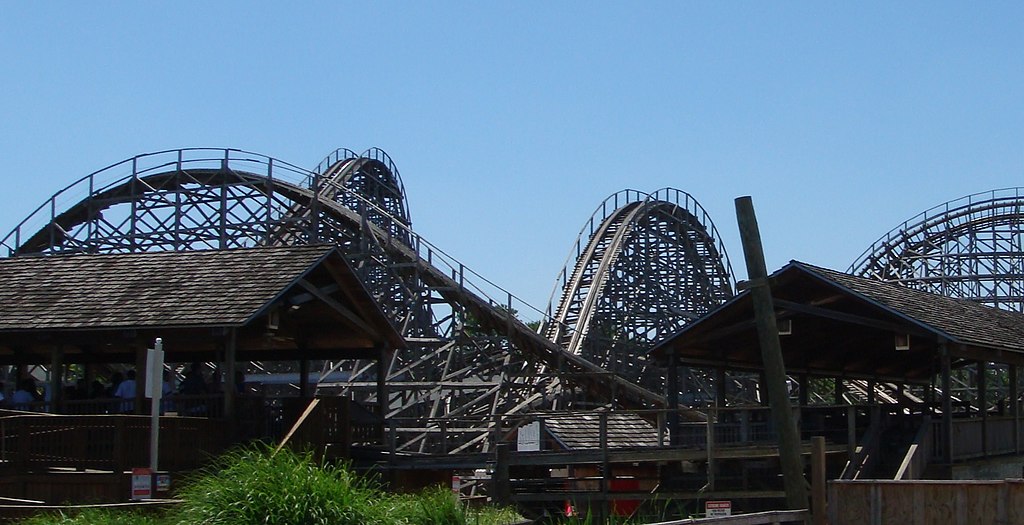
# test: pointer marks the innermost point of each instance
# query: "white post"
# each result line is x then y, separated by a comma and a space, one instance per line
154, 391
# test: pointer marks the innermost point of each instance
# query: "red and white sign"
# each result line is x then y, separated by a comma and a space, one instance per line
456, 484
717, 509
142, 483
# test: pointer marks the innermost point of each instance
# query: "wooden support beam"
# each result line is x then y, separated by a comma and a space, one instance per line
1015, 407
230, 357
720, 390
606, 466
382, 388
304, 390
56, 385
712, 417
947, 406
771, 355
983, 404
502, 485
140, 406
819, 507
672, 398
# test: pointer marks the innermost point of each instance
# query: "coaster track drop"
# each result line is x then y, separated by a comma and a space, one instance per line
470, 358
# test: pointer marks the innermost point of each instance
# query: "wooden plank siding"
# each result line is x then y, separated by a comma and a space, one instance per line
926, 502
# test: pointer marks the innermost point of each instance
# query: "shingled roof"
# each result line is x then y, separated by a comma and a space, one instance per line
583, 430
844, 325
959, 320
206, 288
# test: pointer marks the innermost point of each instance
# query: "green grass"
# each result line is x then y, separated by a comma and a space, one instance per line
98, 517
254, 486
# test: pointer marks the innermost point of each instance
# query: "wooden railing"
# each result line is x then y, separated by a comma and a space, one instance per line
205, 405
105, 442
976, 437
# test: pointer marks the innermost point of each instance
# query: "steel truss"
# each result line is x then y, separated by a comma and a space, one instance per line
642, 267
470, 359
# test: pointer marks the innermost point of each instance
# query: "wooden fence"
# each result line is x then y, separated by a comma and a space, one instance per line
35, 443
973, 502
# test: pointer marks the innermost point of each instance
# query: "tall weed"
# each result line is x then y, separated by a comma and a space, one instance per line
255, 486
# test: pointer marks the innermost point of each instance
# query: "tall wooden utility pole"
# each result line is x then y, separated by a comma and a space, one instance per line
771, 355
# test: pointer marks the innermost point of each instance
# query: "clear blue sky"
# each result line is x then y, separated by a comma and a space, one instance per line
510, 122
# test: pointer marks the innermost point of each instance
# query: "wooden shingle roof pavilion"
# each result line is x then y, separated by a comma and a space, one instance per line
290, 303
847, 326
582, 430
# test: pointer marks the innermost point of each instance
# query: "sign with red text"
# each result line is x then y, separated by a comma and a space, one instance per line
717, 509
142, 483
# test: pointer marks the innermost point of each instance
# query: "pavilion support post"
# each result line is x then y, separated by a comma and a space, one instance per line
382, 388
838, 391
140, 406
762, 388
500, 479
947, 405
672, 399
712, 416
89, 375
606, 466
771, 354
805, 390
1014, 407
230, 366
304, 390
930, 395
720, 391
983, 405
851, 432
871, 391
819, 505
56, 385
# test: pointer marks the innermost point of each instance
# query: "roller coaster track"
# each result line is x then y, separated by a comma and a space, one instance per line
470, 357
643, 267
972, 248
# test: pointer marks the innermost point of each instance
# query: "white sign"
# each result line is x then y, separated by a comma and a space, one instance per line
456, 484
155, 370
717, 509
142, 483
528, 437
